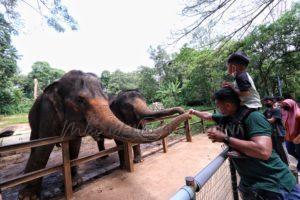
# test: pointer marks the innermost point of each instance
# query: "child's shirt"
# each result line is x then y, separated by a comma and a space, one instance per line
243, 82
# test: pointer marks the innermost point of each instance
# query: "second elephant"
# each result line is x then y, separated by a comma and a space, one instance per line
130, 107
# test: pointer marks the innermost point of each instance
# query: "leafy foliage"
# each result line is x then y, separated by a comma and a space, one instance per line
10, 96
118, 80
275, 53
169, 94
44, 73
53, 12
147, 82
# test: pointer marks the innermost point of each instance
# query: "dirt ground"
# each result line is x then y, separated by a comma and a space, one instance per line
159, 176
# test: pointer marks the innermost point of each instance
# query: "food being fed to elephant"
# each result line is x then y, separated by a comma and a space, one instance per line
131, 108
77, 105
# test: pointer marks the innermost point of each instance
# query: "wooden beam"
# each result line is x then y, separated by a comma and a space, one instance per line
95, 156
29, 177
35, 143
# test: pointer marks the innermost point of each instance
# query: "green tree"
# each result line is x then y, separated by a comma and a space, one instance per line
147, 82
10, 96
53, 12
161, 61
122, 81
275, 53
105, 78
169, 94
219, 21
45, 75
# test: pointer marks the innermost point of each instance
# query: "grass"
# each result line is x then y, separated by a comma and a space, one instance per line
6, 120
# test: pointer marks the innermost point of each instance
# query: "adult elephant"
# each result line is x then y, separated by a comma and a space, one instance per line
77, 105
130, 107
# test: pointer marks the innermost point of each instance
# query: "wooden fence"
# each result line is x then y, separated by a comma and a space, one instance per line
66, 165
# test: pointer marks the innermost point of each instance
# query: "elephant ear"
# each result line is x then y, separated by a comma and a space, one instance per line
52, 94
125, 112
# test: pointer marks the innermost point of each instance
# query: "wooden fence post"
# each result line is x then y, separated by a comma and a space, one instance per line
165, 146
128, 156
164, 140
203, 126
187, 131
35, 89
67, 170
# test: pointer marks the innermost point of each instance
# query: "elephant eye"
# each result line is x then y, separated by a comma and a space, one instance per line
80, 100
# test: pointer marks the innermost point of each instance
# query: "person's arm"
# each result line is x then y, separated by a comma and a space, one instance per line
240, 93
202, 115
272, 120
258, 147
243, 85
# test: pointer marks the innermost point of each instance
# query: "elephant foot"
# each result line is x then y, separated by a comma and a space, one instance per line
77, 180
28, 194
138, 159
122, 166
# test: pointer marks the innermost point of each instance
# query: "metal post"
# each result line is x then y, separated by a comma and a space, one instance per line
190, 181
67, 170
233, 180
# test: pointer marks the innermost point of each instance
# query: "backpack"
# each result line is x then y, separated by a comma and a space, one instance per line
238, 130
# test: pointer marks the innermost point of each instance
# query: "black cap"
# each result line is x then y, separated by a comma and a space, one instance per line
239, 57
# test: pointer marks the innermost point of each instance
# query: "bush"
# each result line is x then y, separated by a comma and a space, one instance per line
22, 105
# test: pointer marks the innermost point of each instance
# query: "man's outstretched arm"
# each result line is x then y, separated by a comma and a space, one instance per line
202, 115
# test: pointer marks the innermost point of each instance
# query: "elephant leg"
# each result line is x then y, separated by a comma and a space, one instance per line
74, 152
38, 160
101, 146
137, 153
121, 154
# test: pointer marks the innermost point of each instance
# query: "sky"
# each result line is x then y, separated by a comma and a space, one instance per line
112, 35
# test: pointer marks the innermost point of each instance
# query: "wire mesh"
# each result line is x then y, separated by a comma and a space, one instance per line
218, 187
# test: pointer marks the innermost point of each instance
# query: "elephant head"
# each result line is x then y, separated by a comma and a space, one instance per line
131, 107
78, 99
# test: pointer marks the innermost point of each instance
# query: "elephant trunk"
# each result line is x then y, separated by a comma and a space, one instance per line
142, 109
101, 117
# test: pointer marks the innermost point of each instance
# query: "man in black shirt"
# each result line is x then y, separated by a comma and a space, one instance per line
274, 117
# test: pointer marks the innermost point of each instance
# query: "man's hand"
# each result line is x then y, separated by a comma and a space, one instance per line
191, 111
227, 84
203, 115
216, 135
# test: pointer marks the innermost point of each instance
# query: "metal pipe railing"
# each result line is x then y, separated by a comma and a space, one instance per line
194, 184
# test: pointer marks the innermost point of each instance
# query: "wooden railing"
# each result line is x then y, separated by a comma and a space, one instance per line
66, 165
